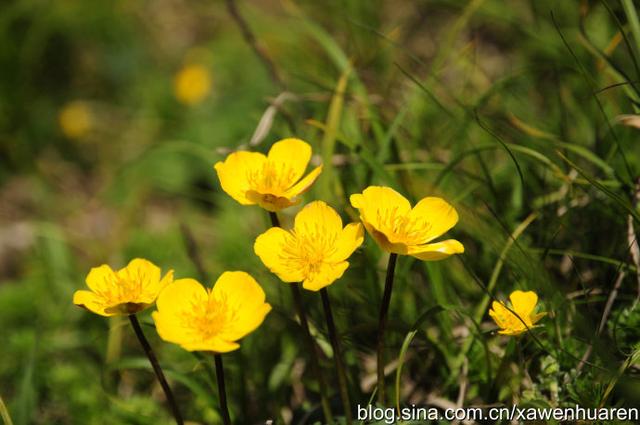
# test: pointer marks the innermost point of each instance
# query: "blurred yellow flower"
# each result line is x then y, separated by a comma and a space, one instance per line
192, 84
399, 229
75, 119
272, 181
315, 251
523, 304
123, 292
200, 319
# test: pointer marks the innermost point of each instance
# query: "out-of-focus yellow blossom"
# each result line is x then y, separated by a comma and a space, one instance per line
200, 319
123, 292
400, 229
523, 304
75, 119
192, 84
272, 181
315, 251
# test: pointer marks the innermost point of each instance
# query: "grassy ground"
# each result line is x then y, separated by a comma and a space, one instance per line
512, 111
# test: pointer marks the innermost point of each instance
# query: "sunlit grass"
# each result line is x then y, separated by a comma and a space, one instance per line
509, 111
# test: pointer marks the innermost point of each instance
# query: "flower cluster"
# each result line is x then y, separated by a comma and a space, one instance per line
314, 253
188, 314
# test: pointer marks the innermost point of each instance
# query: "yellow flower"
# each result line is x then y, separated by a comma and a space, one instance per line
523, 304
200, 319
315, 251
126, 291
192, 84
272, 181
75, 120
399, 229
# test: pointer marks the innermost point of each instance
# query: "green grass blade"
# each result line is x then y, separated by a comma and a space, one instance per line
330, 187
403, 352
632, 18
614, 196
4, 413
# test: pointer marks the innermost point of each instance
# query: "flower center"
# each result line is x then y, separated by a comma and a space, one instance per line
206, 318
404, 228
273, 177
123, 289
308, 248
511, 321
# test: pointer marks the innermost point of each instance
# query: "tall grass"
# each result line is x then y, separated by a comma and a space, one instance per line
510, 110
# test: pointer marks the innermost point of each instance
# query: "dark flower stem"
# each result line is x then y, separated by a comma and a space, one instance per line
156, 368
222, 392
311, 345
337, 355
275, 222
313, 351
382, 324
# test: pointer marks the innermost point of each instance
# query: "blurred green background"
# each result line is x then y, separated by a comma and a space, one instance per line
520, 113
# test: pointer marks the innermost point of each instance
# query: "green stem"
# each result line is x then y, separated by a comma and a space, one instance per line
311, 345
382, 324
632, 18
4, 413
156, 368
337, 356
222, 392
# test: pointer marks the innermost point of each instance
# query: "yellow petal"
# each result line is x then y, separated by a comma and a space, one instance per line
436, 251
513, 331
153, 290
237, 171
140, 270
91, 302
102, 279
384, 243
437, 213
348, 241
325, 275
523, 303
305, 184
379, 206
318, 220
245, 299
169, 327
536, 317
357, 200
269, 201
170, 321
215, 345
272, 248
181, 292
290, 156
500, 314
506, 320
145, 275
